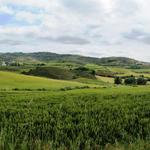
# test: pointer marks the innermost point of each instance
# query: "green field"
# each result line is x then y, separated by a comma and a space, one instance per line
10, 80
77, 119
91, 114
72, 103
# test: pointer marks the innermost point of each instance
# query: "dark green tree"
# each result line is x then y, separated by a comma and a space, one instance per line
141, 81
118, 80
130, 80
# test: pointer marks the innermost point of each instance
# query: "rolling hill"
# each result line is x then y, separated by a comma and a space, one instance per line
44, 57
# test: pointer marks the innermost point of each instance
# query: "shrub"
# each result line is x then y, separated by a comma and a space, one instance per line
84, 87
66, 88
131, 80
141, 81
42, 89
118, 80
15, 89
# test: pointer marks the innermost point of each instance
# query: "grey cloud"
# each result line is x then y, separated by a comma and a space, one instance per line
64, 39
93, 27
127, 7
93, 31
134, 34
67, 40
96, 54
138, 35
11, 42
82, 6
146, 40
72, 40
75, 51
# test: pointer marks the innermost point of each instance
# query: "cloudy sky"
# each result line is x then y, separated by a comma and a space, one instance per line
88, 27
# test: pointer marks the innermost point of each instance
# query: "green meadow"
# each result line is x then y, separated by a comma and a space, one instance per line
82, 114
11, 80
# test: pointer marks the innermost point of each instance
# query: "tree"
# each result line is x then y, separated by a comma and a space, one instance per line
141, 81
118, 80
130, 80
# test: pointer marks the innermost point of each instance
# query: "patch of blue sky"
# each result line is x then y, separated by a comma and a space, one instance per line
16, 7
6, 19
20, 23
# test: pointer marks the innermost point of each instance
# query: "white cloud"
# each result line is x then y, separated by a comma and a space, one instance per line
100, 24
5, 9
27, 16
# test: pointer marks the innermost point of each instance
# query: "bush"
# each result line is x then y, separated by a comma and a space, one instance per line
15, 89
42, 89
73, 88
131, 80
141, 81
66, 88
118, 80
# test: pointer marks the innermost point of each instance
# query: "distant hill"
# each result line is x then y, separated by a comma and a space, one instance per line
47, 57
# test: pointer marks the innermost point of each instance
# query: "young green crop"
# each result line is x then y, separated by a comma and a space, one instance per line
78, 119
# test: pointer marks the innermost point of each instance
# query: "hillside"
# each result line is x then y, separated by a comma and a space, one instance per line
44, 57
9, 81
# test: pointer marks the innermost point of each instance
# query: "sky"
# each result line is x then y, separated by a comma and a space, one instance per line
97, 28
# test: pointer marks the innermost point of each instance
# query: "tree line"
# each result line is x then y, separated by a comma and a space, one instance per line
132, 80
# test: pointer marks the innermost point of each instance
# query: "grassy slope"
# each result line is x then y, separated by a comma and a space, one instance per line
9, 80
106, 79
